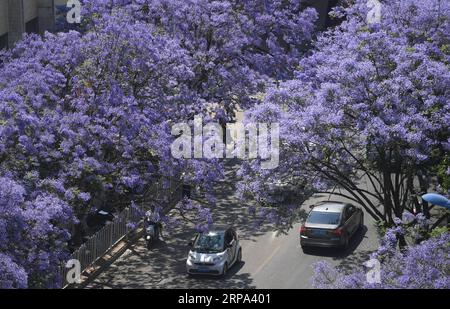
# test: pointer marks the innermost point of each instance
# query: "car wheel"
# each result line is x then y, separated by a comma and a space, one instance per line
225, 270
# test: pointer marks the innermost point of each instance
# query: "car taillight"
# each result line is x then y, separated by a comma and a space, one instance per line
338, 232
302, 229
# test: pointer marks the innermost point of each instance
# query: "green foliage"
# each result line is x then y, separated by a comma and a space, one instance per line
436, 232
442, 173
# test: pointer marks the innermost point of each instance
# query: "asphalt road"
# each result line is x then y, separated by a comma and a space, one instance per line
269, 260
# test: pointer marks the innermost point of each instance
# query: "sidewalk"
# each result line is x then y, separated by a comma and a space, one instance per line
103, 262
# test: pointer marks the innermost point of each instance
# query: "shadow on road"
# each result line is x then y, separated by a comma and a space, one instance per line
164, 267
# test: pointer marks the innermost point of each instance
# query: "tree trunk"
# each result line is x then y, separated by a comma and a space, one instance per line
424, 184
387, 197
402, 242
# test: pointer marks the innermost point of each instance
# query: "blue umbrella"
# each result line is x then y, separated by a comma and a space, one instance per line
436, 199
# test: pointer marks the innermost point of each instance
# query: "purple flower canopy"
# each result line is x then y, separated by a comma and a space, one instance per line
420, 266
371, 100
28, 227
85, 116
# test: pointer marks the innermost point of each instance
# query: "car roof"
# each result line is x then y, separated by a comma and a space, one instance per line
330, 206
212, 233
220, 229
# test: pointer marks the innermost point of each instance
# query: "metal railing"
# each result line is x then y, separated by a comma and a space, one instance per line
109, 235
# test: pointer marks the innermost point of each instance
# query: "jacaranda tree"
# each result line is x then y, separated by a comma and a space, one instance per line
236, 47
85, 122
33, 236
85, 116
367, 115
421, 266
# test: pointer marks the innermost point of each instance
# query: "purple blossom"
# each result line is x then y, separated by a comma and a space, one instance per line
368, 100
203, 216
11, 274
79, 125
425, 265
84, 196
33, 236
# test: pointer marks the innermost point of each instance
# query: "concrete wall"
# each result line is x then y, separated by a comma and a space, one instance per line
46, 13
16, 23
15, 14
30, 10
3, 16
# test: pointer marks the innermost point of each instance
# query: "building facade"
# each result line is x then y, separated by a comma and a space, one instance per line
24, 16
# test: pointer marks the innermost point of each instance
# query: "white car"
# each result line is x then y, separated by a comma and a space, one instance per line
214, 252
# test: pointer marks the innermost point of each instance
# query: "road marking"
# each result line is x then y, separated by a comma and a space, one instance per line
267, 260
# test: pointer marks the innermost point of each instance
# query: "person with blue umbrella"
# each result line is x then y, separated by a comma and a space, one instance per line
438, 200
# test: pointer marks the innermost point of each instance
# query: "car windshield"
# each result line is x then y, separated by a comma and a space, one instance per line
211, 242
322, 217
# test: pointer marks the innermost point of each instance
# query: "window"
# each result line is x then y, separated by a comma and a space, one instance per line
209, 243
4, 41
322, 217
32, 26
